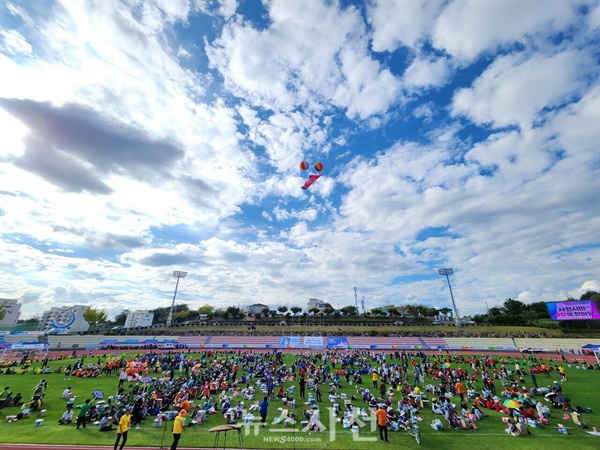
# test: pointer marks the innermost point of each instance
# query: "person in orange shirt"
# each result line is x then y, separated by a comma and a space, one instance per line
460, 389
382, 421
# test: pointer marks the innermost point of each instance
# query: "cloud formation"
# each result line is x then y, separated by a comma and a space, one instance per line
139, 139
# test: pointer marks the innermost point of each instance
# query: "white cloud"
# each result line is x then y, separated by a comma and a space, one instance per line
514, 90
295, 61
427, 72
466, 29
227, 8
401, 23
12, 42
496, 182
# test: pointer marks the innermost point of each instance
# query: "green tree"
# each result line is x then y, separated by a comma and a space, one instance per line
95, 316
376, 311
234, 312
513, 307
2, 311
162, 314
349, 310
328, 310
206, 309
538, 310
121, 317
282, 309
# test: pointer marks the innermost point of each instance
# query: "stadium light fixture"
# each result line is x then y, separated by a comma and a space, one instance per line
176, 274
446, 273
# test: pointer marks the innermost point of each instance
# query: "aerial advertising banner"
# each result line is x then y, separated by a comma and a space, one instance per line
573, 310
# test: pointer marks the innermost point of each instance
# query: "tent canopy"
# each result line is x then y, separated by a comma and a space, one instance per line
592, 346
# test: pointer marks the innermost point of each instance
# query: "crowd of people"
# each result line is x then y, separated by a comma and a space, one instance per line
393, 387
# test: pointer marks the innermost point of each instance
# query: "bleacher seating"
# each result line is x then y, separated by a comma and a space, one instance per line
565, 345
245, 341
193, 341
434, 342
393, 341
89, 342
479, 342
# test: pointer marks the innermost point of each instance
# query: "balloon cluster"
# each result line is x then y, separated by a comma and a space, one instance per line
318, 166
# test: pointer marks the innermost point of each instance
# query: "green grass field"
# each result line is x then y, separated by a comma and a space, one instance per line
582, 386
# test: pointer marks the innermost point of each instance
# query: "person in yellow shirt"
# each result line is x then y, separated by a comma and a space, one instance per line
375, 378
562, 373
178, 428
123, 428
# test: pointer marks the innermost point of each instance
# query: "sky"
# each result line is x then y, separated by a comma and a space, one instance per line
142, 137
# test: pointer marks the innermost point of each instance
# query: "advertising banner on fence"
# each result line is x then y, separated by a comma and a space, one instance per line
313, 341
573, 310
289, 341
337, 342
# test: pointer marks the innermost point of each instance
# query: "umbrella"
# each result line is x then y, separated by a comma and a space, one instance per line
510, 403
562, 399
146, 379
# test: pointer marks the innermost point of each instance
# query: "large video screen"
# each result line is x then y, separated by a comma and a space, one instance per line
573, 310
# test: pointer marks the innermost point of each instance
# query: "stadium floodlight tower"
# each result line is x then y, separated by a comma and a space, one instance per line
446, 273
176, 274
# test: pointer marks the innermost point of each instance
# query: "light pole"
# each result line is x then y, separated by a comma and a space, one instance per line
176, 274
446, 273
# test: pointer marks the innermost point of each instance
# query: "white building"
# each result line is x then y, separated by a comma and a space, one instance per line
13, 312
69, 317
140, 318
254, 309
316, 303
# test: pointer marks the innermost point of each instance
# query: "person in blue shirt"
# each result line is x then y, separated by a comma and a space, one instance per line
264, 408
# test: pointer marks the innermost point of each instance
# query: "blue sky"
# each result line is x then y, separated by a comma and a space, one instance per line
140, 138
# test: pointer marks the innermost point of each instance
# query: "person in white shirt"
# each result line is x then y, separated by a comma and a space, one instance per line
67, 417
67, 394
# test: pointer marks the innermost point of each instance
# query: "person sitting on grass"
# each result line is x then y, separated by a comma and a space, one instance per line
105, 424
403, 420
67, 416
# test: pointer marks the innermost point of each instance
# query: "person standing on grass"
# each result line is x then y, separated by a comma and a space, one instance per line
382, 422
263, 409
302, 383
178, 428
4, 396
83, 411
123, 428
318, 393
460, 389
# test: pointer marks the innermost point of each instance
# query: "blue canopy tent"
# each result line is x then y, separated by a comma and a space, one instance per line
595, 348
